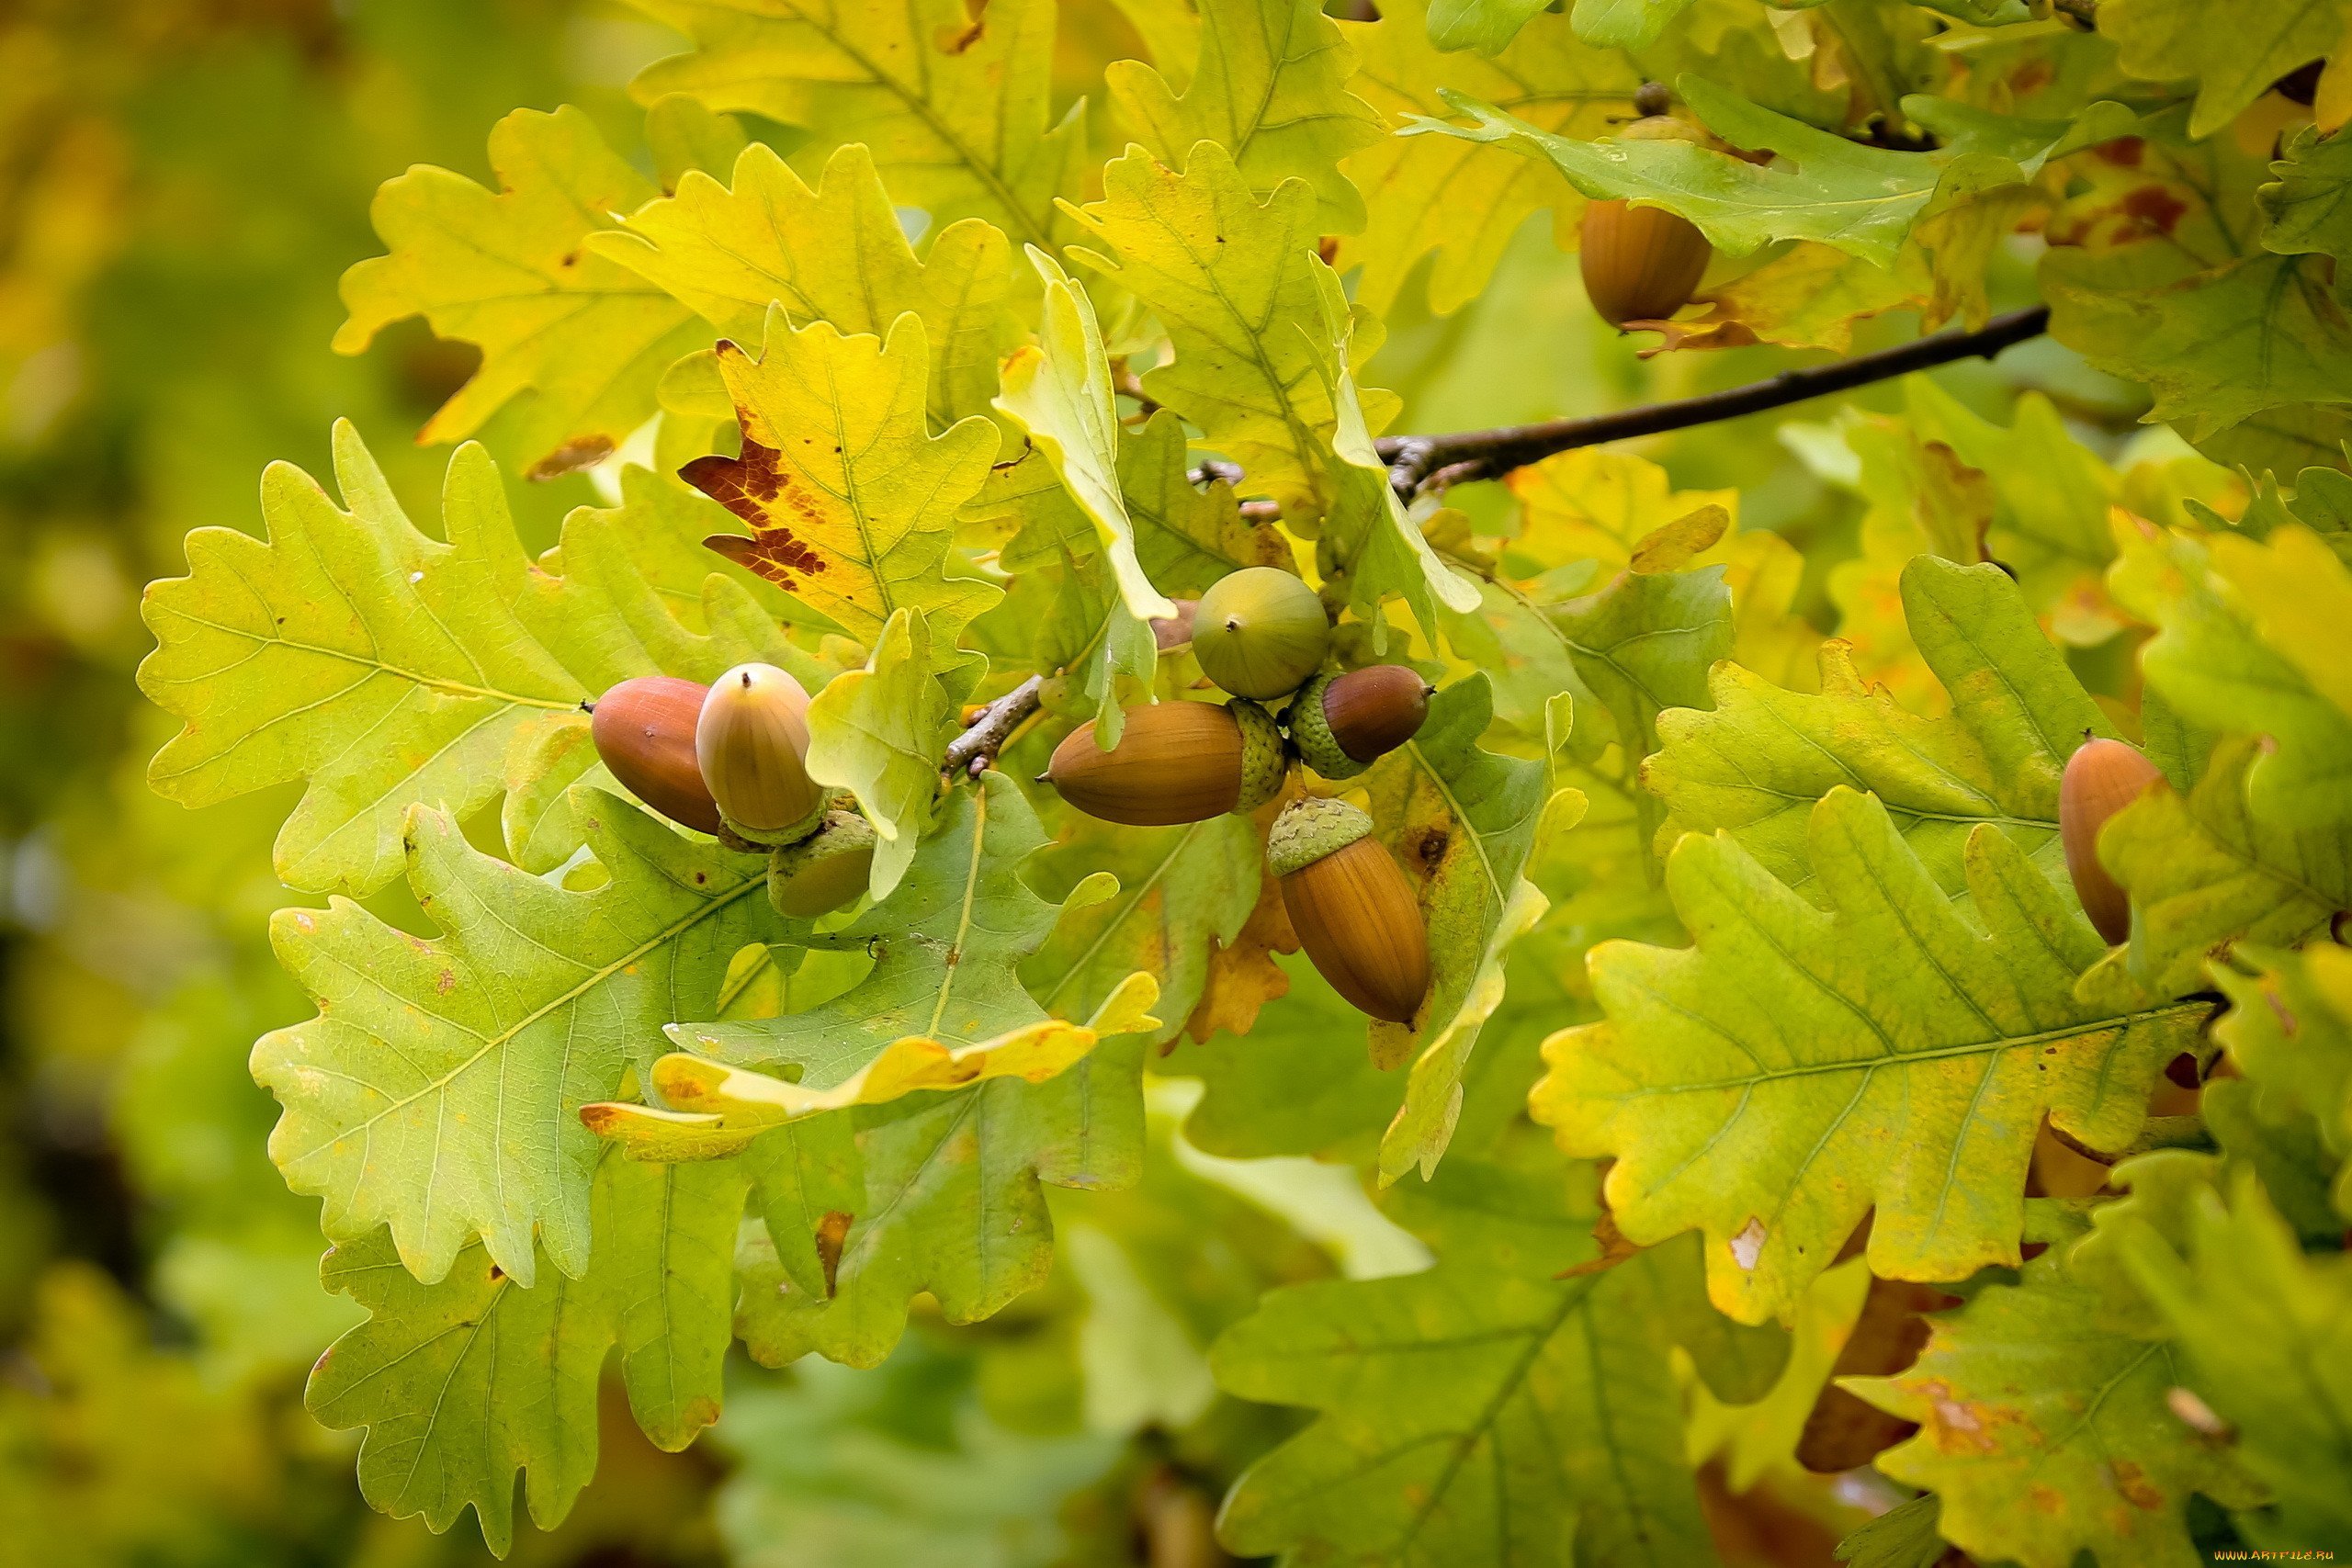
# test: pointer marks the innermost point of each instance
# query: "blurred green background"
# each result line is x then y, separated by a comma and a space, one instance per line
181, 183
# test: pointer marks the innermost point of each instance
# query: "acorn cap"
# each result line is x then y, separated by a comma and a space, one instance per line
824, 870
1310, 732
1262, 759
749, 739
1310, 829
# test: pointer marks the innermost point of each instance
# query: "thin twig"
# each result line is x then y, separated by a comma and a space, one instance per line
1415, 460
972, 753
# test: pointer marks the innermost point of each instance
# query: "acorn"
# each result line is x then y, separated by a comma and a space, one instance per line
1342, 724
1351, 906
1258, 632
1640, 263
1175, 761
644, 730
824, 870
2101, 778
749, 739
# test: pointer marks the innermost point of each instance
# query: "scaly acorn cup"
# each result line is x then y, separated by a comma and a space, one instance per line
2101, 778
1258, 632
1175, 761
749, 739
1351, 906
824, 870
644, 731
1342, 724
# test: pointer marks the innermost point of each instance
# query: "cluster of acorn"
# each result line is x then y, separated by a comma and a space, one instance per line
1262, 635
729, 760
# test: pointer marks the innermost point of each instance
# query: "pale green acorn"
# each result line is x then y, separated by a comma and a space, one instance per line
1258, 632
750, 741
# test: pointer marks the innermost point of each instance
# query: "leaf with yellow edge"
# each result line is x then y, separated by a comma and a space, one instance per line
955, 107
1059, 391
1802, 1064
1269, 84
1434, 194
509, 271
386, 669
1810, 297
712, 1110
2232, 52
1462, 822
851, 499
876, 732
835, 254
1592, 502
1181, 890
1234, 279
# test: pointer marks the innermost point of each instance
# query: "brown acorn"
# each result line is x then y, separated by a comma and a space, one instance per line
749, 740
1640, 263
644, 730
2101, 778
1342, 724
1175, 761
1351, 906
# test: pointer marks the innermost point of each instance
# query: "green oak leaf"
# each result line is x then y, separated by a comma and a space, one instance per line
1889, 1048
1370, 547
1233, 279
1180, 890
2232, 52
2204, 871
1756, 765
1903, 1537
2045, 1437
1299, 1083
1059, 391
508, 271
2290, 1027
1861, 200
1644, 644
463, 1382
1464, 821
1437, 196
2247, 643
2265, 1333
2213, 346
1483, 1412
387, 668
954, 110
2309, 206
877, 732
835, 254
1486, 26
2052, 492
1270, 85
851, 501
438, 1090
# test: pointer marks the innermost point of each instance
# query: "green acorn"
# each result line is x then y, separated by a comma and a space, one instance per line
749, 741
1351, 907
1175, 763
1258, 632
824, 870
1342, 724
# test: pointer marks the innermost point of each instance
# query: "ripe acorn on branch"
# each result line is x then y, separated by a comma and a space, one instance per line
1351, 906
644, 731
1258, 632
824, 870
1341, 725
749, 741
2101, 778
1642, 264
1176, 761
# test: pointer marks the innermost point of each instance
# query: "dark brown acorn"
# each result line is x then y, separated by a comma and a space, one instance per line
644, 730
2101, 778
1342, 724
1175, 761
1351, 907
